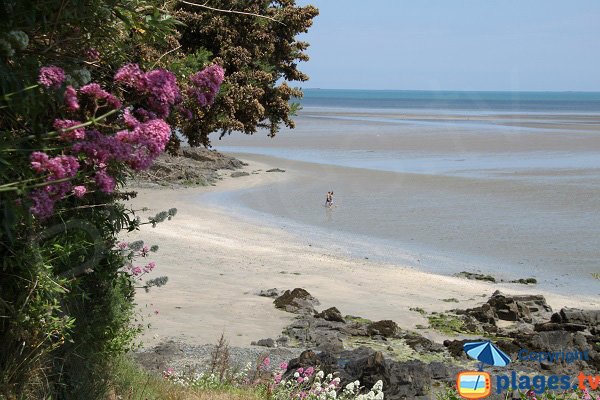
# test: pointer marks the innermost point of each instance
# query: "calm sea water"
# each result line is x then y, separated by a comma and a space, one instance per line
503, 183
452, 101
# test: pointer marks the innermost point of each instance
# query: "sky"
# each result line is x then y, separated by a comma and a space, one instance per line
515, 45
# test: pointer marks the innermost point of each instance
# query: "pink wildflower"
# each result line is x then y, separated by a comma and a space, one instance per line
309, 371
129, 119
300, 370
79, 191
122, 245
38, 161
131, 75
136, 271
43, 205
163, 90
70, 97
63, 125
206, 84
145, 250
283, 366
277, 379
266, 362
149, 267
105, 182
51, 77
300, 379
95, 91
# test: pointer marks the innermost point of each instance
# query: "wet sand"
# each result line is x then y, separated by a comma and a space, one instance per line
217, 260
454, 191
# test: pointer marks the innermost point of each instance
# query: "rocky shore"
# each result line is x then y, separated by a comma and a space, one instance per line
409, 364
196, 166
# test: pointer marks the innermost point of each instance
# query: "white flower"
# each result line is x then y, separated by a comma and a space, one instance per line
296, 375
379, 396
350, 386
378, 386
336, 380
320, 374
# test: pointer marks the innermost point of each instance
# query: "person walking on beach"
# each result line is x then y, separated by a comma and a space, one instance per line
329, 199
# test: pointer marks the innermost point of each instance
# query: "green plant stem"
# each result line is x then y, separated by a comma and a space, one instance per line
9, 95
92, 121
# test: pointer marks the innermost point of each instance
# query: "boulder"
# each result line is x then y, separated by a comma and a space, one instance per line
401, 380
237, 174
331, 314
297, 301
385, 328
276, 170
588, 318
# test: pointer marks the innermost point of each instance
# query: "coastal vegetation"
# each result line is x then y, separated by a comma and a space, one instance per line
91, 93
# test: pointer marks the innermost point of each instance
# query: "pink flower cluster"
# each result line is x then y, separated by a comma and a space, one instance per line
139, 271
56, 168
66, 134
95, 91
51, 77
159, 87
137, 148
206, 84
70, 97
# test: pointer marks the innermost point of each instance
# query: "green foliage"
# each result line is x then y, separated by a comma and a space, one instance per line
259, 55
66, 306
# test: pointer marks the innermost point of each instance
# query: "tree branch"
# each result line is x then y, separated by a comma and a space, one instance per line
231, 11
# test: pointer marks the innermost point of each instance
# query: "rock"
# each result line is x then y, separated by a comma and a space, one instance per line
527, 308
588, 318
421, 344
385, 328
276, 170
189, 166
554, 326
266, 342
331, 314
476, 276
456, 347
298, 301
526, 281
269, 293
401, 380
239, 173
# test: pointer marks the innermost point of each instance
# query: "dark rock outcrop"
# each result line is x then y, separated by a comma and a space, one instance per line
297, 301
331, 314
385, 328
189, 166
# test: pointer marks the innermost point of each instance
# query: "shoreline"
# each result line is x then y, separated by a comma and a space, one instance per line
218, 262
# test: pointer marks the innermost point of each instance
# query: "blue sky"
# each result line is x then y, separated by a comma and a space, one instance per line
455, 45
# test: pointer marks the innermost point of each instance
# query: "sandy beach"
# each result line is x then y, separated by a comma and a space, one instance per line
217, 261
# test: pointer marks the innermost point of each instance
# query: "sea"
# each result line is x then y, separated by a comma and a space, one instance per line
501, 183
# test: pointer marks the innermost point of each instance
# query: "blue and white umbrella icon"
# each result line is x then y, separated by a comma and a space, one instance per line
486, 353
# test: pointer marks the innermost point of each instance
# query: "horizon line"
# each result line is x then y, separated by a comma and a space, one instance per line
457, 90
